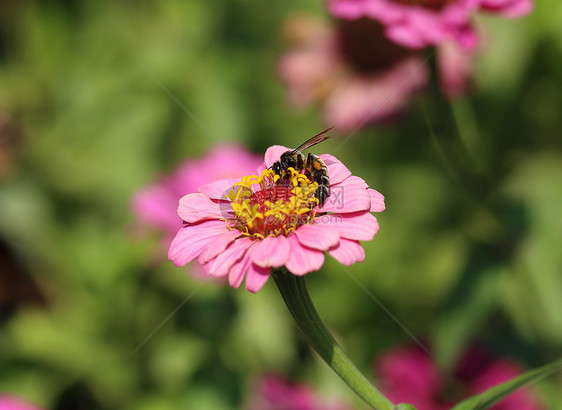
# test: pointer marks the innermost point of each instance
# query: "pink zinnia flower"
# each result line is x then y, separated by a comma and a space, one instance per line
156, 205
243, 228
9, 402
355, 73
421, 23
275, 393
408, 375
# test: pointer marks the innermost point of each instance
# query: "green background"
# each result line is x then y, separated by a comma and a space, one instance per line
469, 247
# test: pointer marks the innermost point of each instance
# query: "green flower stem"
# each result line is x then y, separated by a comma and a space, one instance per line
296, 297
468, 133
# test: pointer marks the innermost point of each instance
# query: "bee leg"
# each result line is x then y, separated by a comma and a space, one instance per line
309, 166
322, 193
310, 158
277, 168
300, 162
325, 182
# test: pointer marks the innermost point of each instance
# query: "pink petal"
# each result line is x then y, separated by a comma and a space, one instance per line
407, 36
272, 251
467, 38
239, 268
408, 24
410, 376
192, 239
360, 226
455, 67
336, 170
303, 259
499, 371
273, 154
302, 68
349, 10
228, 160
356, 101
197, 207
219, 244
11, 402
509, 8
315, 236
218, 189
353, 180
261, 168
220, 266
157, 206
348, 196
256, 277
377, 201
348, 252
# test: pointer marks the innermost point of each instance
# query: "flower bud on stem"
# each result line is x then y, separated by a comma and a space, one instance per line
296, 297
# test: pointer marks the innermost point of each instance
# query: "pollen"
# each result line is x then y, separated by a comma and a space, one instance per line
265, 205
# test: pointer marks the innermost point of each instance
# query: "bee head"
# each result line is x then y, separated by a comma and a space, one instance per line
288, 159
286, 155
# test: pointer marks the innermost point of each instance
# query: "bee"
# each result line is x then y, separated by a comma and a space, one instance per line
314, 168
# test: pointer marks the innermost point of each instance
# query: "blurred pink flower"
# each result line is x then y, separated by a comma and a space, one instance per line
508, 8
408, 375
275, 393
244, 228
455, 67
351, 68
421, 23
156, 205
9, 402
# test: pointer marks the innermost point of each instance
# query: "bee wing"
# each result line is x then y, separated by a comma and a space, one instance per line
318, 138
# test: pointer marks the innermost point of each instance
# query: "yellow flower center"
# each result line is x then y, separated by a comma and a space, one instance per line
264, 205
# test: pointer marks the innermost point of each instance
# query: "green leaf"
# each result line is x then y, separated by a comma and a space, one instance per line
496, 393
469, 306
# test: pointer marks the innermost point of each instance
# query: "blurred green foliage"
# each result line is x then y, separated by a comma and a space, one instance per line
100, 97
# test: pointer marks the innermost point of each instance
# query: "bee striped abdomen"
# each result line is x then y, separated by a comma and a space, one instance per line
319, 173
